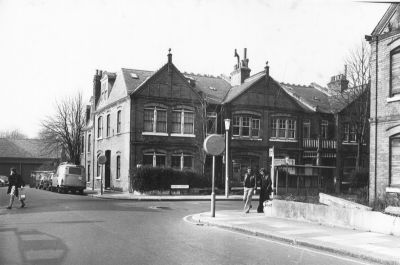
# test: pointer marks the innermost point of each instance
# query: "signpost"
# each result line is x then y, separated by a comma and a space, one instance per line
101, 160
272, 155
214, 145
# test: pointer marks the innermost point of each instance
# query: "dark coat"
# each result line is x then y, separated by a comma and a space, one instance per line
15, 180
266, 188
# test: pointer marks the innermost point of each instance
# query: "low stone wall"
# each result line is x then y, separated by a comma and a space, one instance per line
336, 216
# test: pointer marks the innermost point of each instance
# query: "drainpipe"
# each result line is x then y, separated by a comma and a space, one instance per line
376, 116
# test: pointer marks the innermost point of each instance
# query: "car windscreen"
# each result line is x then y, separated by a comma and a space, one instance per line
74, 170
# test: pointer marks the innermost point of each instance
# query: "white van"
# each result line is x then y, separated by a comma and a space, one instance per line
69, 177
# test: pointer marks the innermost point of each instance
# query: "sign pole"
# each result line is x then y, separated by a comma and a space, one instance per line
213, 188
272, 155
101, 181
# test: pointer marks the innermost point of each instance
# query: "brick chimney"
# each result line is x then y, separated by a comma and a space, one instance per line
97, 86
266, 71
338, 83
88, 107
241, 70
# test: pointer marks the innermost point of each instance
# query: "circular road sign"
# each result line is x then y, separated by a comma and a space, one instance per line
214, 144
102, 160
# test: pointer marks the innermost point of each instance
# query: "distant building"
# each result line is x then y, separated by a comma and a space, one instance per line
25, 155
161, 119
385, 106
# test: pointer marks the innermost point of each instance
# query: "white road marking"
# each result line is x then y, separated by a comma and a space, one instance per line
43, 254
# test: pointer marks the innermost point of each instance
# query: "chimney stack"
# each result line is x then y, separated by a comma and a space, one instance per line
338, 83
97, 86
241, 71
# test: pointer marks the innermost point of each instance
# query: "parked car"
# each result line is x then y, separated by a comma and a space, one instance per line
3, 181
69, 177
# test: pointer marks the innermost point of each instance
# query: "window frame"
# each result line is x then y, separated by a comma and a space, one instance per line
391, 138
154, 155
181, 157
88, 173
392, 53
183, 113
89, 143
307, 124
100, 127
324, 129
212, 116
108, 125
155, 120
243, 122
119, 114
282, 127
118, 167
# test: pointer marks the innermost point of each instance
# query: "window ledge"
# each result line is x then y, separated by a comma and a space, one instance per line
349, 143
155, 133
393, 99
394, 189
98, 178
246, 138
183, 135
118, 179
283, 140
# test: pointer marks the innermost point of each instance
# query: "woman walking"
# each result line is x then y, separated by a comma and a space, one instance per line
14, 183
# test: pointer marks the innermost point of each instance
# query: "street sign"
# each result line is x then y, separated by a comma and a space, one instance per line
271, 152
102, 160
214, 144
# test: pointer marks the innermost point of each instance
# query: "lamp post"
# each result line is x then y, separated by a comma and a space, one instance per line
227, 126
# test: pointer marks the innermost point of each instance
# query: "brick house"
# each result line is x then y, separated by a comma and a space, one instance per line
168, 114
385, 106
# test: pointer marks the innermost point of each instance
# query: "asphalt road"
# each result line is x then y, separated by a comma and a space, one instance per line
73, 229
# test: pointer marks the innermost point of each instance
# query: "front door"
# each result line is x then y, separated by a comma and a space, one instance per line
107, 173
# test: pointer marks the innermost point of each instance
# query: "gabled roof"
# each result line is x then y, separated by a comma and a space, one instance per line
236, 91
24, 148
214, 89
134, 78
309, 97
384, 20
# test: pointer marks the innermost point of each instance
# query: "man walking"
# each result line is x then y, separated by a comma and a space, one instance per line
250, 185
14, 182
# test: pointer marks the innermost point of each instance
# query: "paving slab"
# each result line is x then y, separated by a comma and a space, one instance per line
369, 246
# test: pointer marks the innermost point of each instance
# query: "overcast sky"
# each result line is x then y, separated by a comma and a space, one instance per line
50, 49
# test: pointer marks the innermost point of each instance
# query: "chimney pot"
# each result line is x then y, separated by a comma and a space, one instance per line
169, 56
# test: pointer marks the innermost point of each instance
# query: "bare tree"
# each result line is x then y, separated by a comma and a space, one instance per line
354, 101
63, 130
13, 134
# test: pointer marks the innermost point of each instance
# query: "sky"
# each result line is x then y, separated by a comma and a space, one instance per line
50, 49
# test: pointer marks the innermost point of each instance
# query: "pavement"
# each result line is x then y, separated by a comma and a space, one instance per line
364, 245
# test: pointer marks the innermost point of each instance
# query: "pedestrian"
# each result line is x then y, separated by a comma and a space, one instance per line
15, 181
250, 185
265, 189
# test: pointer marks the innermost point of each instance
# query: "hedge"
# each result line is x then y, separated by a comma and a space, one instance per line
154, 178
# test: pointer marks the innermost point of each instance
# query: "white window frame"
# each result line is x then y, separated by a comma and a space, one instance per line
283, 124
182, 125
324, 129
252, 120
212, 116
154, 124
108, 125
307, 124
119, 121
182, 159
100, 127
155, 154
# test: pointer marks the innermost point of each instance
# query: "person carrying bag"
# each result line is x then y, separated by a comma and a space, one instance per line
14, 183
